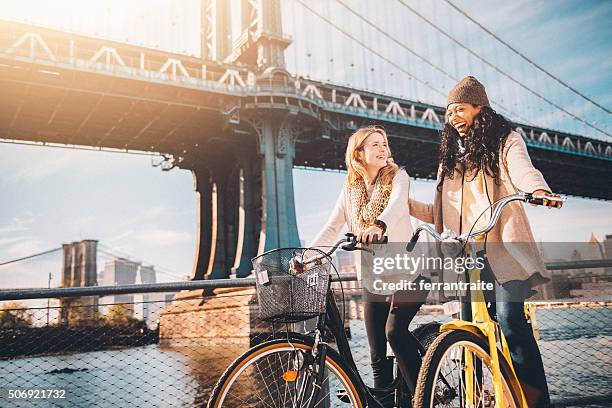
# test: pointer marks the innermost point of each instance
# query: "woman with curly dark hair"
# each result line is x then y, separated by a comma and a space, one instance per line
481, 160
487, 134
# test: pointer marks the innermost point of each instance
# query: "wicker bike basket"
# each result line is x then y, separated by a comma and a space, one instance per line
286, 296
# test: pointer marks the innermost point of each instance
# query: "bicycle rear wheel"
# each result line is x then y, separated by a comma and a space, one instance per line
275, 374
443, 378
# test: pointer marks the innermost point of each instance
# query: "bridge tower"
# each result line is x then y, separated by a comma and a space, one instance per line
79, 269
245, 194
255, 38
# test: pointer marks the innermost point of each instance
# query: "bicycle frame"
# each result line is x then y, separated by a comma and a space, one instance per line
481, 324
332, 321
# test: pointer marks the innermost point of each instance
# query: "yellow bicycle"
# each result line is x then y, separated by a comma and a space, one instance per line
469, 364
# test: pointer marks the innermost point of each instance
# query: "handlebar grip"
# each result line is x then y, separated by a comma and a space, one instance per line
539, 200
383, 240
410, 246
536, 201
352, 245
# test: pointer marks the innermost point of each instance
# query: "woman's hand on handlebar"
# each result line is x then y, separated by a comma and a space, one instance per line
550, 202
370, 234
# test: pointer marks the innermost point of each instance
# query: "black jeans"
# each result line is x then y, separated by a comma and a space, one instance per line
508, 301
524, 350
387, 321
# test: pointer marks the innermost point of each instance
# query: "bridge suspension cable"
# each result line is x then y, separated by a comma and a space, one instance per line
501, 71
30, 256
373, 51
105, 249
108, 250
524, 57
422, 58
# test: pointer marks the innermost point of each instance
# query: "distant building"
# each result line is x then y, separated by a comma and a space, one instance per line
607, 249
594, 251
120, 271
142, 306
148, 305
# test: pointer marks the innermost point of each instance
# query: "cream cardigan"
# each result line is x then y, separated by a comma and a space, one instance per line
396, 215
512, 254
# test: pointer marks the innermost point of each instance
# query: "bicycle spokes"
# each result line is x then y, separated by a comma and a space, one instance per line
465, 379
285, 379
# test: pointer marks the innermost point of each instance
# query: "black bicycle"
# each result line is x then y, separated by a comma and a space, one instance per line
303, 370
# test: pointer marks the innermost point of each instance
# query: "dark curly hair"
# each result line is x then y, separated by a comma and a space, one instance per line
482, 143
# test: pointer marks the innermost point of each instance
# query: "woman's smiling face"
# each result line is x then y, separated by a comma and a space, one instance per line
374, 151
461, 116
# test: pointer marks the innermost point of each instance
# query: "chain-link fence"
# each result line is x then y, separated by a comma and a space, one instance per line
169, 349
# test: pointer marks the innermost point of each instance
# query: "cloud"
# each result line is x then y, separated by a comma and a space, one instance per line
45, 166
25, 247
19, 223
12, 240
12, 228
33, 273
14, 245
162, 237
120, 237
154, 211
26, 164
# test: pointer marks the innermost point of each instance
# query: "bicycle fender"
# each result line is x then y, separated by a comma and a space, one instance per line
471, 327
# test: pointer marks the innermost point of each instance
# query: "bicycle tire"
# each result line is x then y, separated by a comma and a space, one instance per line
425, 395
427, 333
220, 396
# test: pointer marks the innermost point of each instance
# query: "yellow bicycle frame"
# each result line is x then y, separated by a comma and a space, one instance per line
483, 326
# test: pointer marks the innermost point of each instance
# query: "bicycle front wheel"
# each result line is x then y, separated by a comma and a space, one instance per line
456, 372
277, 374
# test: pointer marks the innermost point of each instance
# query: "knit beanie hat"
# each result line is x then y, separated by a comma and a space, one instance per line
468, 90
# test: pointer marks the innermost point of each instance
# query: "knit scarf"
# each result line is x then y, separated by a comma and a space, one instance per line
363, 211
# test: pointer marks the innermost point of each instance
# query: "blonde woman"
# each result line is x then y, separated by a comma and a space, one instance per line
374, 203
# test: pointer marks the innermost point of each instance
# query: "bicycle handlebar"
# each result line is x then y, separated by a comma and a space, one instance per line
537, 199
351, 245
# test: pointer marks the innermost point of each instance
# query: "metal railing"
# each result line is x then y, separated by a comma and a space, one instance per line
166, 344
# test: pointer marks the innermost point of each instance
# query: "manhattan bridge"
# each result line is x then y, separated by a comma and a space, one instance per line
275, 85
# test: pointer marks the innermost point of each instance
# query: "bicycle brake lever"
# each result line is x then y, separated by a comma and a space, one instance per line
410, 246
352, 242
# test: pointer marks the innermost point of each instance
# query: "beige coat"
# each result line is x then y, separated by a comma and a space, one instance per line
518, 257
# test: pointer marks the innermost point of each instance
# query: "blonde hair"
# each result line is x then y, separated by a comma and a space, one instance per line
356, 168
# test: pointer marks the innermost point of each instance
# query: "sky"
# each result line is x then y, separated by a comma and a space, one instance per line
52, 196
